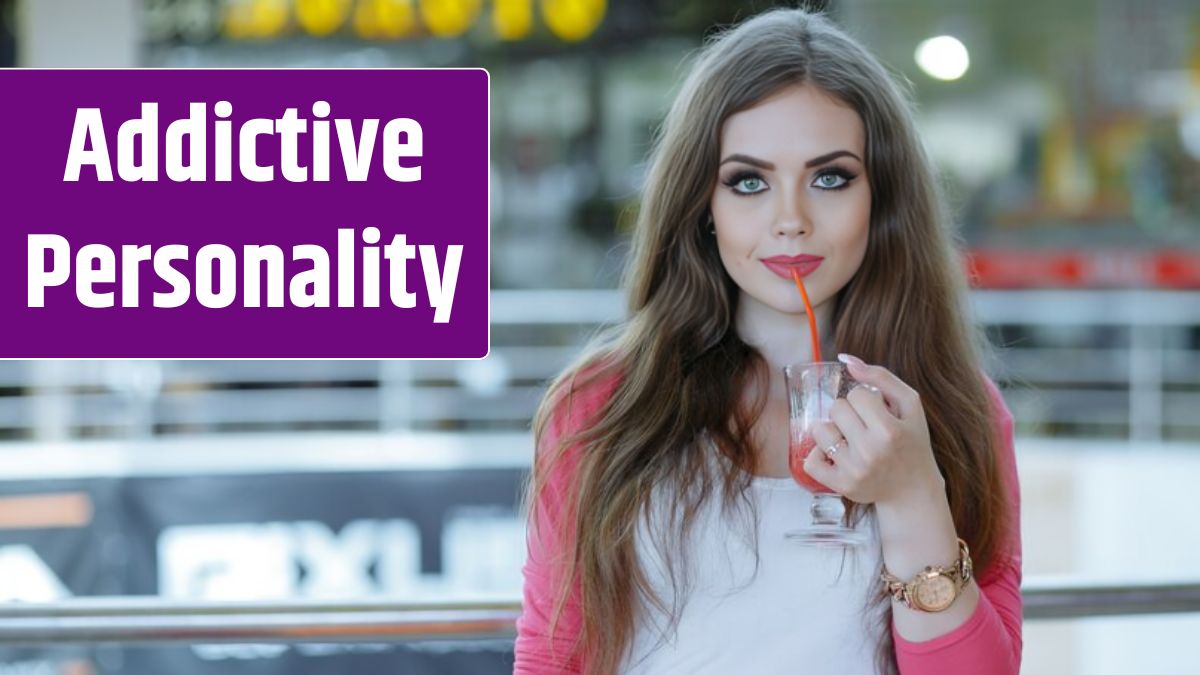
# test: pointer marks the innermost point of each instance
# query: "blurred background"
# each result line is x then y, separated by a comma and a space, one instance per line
1068, 134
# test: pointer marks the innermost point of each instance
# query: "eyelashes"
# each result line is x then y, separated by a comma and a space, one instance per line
740, 182
746, 182
836, 172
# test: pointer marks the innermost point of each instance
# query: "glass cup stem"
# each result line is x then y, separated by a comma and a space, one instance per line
827, 510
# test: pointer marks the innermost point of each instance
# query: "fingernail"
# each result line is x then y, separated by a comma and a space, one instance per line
850, 360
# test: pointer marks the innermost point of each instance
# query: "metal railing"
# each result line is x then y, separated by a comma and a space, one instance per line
152, 620
1114, 363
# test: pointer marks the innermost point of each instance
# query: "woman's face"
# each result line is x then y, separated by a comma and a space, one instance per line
792, 193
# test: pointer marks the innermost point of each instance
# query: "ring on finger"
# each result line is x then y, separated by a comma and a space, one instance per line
833, 448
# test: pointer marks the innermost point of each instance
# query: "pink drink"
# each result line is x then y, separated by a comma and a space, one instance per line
796, 456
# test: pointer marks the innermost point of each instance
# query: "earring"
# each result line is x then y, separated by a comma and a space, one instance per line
712, 226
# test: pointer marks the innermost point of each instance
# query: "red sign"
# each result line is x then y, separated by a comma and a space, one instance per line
1014, 268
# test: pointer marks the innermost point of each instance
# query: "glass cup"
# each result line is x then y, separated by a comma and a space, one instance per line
812, 389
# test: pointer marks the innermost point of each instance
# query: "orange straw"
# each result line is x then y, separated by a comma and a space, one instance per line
812, 318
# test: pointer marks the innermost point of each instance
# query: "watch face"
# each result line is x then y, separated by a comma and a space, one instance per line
935, 593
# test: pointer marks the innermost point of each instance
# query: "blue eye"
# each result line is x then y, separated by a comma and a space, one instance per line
746, 183
750, 185
833, 179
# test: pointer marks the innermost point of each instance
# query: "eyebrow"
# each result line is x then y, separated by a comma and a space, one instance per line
764, 164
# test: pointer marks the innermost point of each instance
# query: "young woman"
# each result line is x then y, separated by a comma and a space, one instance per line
661, 488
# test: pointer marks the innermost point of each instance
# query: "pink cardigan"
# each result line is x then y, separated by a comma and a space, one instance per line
988, 643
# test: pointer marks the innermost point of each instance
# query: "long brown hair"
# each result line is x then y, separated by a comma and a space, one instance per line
680, 366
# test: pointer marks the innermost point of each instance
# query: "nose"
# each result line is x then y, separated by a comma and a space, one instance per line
792, 219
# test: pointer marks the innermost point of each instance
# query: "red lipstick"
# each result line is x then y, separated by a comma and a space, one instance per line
782, 265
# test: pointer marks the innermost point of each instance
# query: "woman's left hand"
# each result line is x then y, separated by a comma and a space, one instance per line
882, 439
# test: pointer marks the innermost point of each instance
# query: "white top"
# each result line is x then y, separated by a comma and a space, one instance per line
796, 615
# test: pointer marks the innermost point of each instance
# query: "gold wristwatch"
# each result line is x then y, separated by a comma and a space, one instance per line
933, 589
